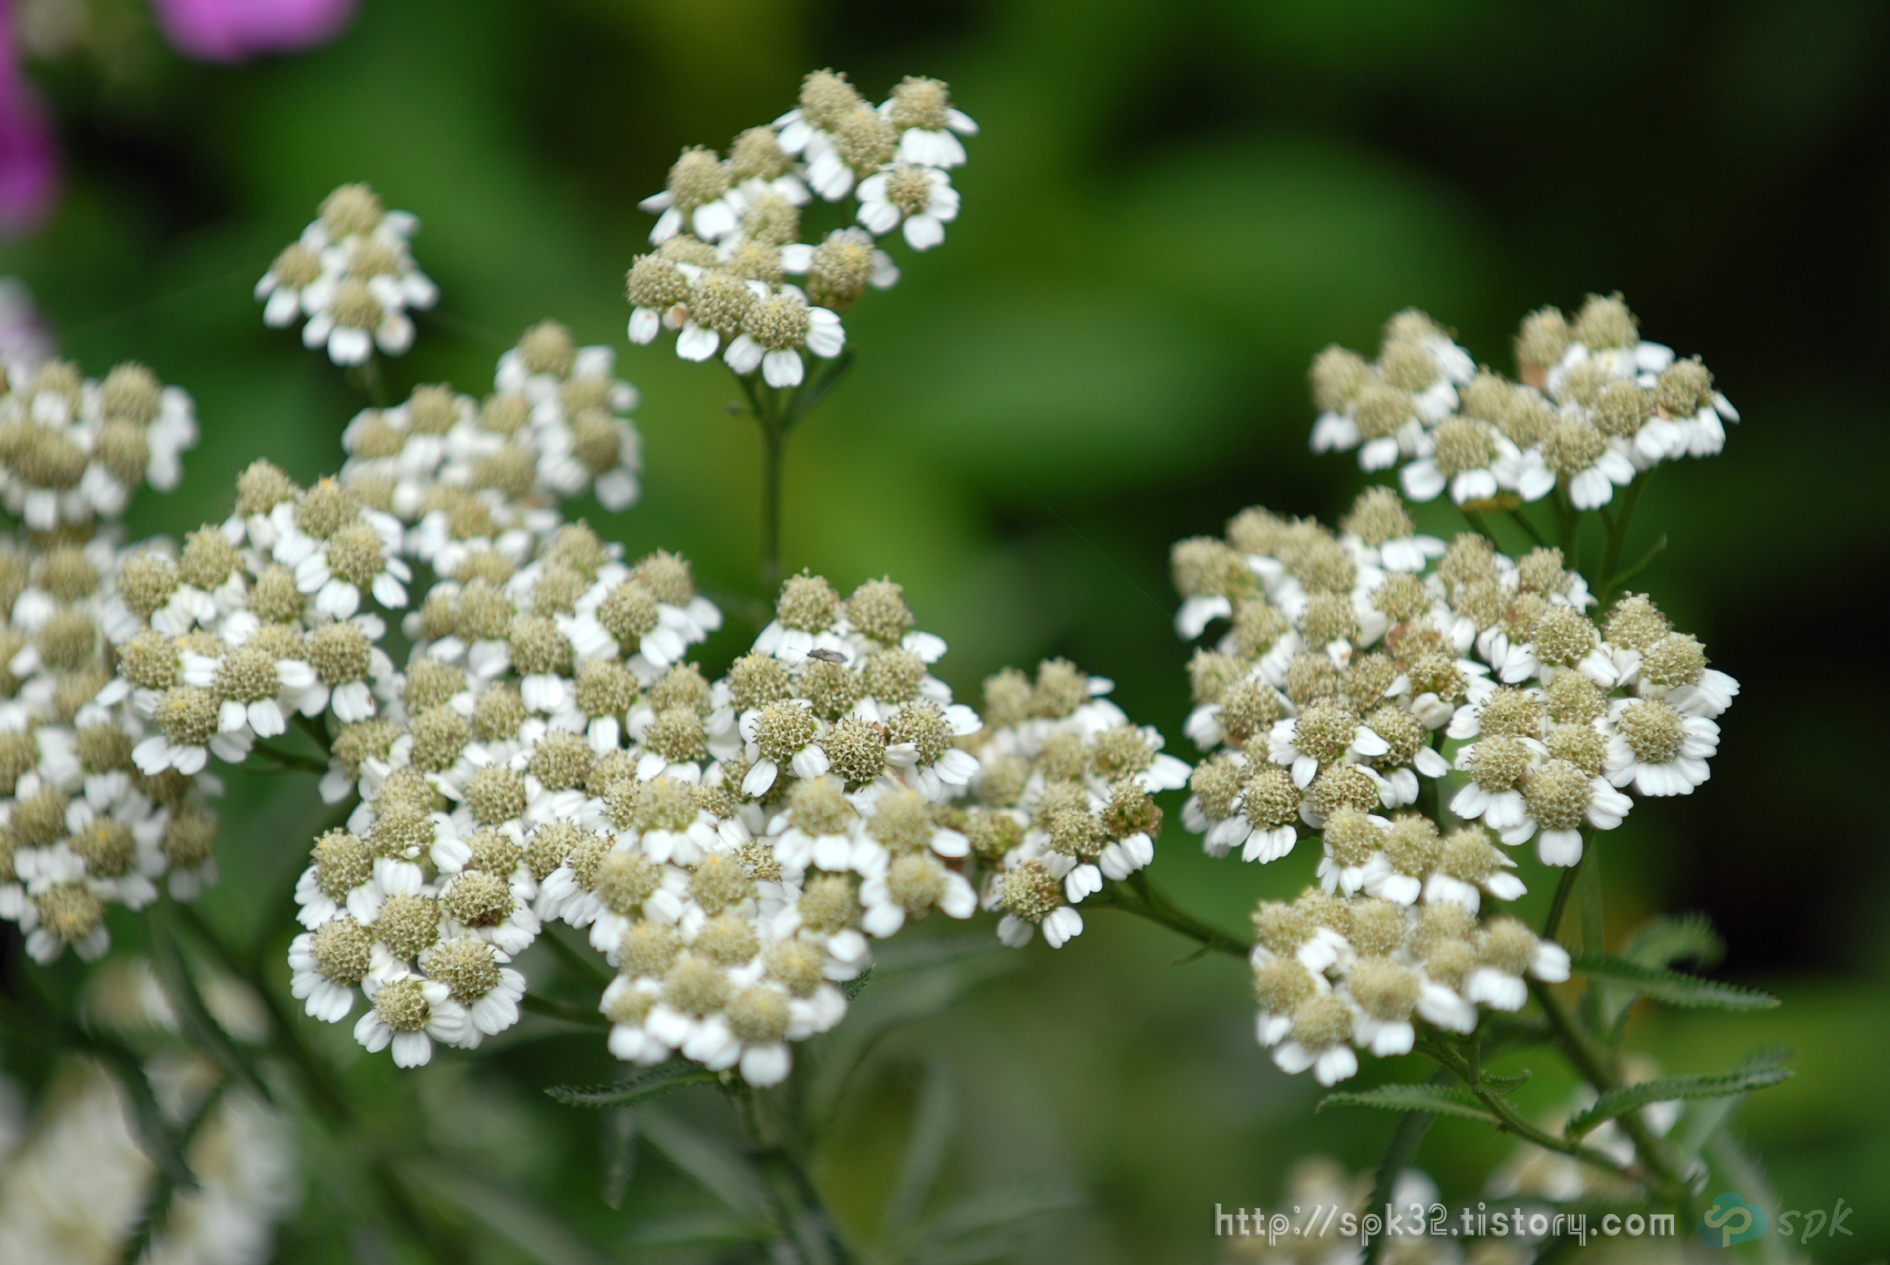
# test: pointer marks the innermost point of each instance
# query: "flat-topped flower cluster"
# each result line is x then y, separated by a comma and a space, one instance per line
1596, 405
728, 230
83, 824
1413, 702
1356, 665
351, 279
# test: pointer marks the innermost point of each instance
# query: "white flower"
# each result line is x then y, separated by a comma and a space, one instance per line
1658, 749
1330, 1064
1060, 926
410, 1013
326, 1000
1499, 990
921, 198
358, 317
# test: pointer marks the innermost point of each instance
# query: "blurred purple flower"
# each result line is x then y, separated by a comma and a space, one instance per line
232, 30
29, 163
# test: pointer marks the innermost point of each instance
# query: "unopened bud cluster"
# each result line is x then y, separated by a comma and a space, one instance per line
728, 233
350, 278
1595, 406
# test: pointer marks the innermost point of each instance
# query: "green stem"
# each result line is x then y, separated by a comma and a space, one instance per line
1522, 520
1564, 888
316, 1078
371, 381
314, 728
441, 1242
1598, 1069
773, 451
1617, 536
806, 1228
575, 962
1463, 1065
1398, 1155
1477, 525
564, 1011
1568, 528
1138, 895
776, 415
290, 759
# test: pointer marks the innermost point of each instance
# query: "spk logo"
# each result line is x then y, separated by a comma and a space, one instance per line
1731, 1220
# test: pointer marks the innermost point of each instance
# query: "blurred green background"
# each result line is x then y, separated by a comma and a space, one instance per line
1171, 208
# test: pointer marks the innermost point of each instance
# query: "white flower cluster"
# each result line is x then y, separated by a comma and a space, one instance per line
352, 275
1596, 406
728, 232
73, 450
82, 826
1064, 798
1338, 973
1356, 663
464, 474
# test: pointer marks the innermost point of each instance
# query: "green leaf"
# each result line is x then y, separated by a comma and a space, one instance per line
1505, 1084
857, 985
1702, 1125
926, 1145
1618, 1102
988, 1225
1671, 987
1435, 1099
174, 976
715, 1225
539, 1234
1664, 941
620, 1154
916, 996
659, 1080
722, 1170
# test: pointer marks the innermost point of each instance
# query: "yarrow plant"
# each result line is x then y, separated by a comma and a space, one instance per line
538, 789
1418, 707
729, 235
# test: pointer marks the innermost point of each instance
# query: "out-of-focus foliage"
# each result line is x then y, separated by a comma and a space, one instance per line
1174, 206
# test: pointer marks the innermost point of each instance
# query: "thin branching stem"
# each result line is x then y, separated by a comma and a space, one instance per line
1138, 895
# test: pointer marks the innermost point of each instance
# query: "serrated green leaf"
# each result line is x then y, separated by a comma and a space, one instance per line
659, 1080
855, 986
1618, 1102
1663, 941
1435, 1099
1505, 1084
1671, 987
